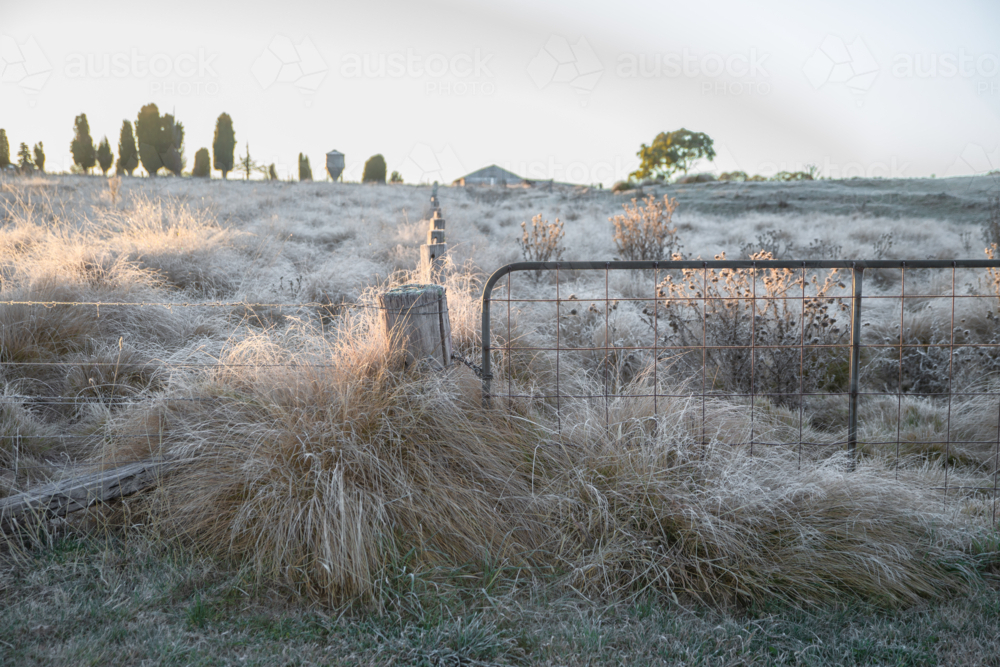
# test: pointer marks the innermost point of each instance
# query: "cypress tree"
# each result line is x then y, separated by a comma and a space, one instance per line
171, 144
40, 157
224, 144
24, 163
305, 171
128, 156
4, 150
148, 129
202, 164
105, 158
374, 170
82, 146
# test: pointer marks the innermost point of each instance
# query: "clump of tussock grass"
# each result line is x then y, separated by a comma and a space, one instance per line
51, 318
72, 343
717, 523
113, 374
182, 246
917, 429
942, 348
30, 332
336, 464
110, 261
314, 459
25, 442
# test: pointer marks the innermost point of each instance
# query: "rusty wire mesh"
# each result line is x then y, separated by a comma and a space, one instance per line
893, 358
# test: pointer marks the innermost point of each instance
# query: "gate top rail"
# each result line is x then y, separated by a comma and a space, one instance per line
859, 264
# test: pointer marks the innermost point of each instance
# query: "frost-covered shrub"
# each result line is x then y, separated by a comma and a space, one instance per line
755, 331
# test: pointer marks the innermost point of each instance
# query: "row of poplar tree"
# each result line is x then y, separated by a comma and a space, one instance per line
157, 142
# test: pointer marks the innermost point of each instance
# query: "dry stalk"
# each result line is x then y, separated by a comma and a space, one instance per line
543, 242
643, 231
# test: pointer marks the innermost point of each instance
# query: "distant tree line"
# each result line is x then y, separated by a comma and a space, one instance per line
156, 142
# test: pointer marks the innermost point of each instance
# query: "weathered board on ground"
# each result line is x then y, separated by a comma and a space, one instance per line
77, 493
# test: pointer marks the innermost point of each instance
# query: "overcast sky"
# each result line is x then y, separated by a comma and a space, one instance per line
565, 89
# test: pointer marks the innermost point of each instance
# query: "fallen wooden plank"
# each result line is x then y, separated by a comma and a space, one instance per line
77, 493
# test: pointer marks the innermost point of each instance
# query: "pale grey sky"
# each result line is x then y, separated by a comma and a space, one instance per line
564, 90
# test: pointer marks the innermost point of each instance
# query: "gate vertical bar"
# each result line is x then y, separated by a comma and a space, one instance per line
857, 277
484, 339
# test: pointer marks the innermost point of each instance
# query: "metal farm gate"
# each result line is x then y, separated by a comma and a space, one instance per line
761, 333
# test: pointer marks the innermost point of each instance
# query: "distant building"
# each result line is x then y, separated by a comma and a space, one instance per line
491, 175
335, 164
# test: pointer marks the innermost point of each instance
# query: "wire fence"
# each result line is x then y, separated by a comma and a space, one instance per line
40, 385
897, 358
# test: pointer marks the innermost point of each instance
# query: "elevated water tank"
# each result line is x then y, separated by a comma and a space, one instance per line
335, 164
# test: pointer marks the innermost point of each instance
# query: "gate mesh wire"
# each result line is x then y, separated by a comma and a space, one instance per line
908, 351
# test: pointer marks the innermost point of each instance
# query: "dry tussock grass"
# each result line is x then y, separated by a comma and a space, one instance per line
60, 349
307, 453
324, 465
723, 526
176, 244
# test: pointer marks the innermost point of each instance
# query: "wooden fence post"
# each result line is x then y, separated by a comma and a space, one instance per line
432, 252
416, 316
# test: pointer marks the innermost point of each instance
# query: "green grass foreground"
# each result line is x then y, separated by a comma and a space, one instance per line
88, 601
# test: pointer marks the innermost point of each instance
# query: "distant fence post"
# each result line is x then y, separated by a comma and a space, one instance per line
416, 317
432, 252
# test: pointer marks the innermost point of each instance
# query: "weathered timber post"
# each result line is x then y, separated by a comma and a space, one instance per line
416, 316
432, 253
78, 493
